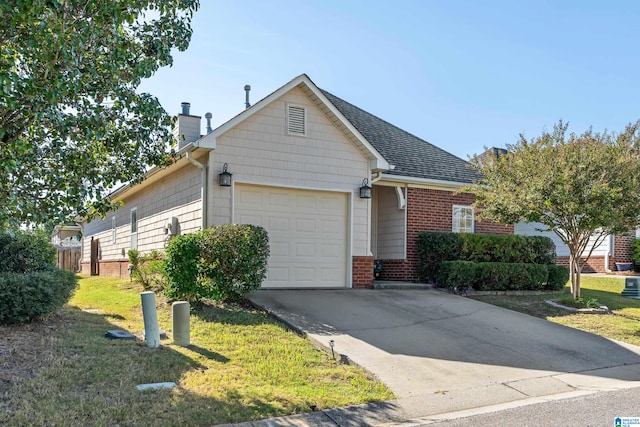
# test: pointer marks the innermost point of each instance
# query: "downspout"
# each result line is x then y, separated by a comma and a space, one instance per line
203, 190
610, 252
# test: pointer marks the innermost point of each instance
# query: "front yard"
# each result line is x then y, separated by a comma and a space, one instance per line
242, 365
623, 324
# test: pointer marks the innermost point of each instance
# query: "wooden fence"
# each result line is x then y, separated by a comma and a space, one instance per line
69, 259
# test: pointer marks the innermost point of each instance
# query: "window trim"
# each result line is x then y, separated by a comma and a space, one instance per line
304, 119
134, 211
453, 219
113, 229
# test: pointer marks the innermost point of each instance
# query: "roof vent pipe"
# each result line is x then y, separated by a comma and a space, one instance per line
247, 88
208, 116
185, 108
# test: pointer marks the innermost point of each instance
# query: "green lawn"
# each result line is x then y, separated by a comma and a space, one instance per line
242, 365
623, 324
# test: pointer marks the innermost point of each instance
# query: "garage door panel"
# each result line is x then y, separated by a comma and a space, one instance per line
306, 225
307, 233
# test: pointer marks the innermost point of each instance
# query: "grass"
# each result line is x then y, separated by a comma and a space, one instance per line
622, 325
242, 365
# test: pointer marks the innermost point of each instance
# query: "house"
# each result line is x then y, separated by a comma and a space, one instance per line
297, 162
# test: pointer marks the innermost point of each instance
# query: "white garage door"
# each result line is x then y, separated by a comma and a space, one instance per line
307, 233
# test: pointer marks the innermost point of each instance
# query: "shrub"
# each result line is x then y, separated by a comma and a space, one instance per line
223, 263
181, 268
558, 277
234, 260
23, 252
434, 248
147, 269
34, 295
494, 276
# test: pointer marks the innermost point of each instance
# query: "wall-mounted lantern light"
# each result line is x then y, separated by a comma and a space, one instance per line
225, 177
365, 190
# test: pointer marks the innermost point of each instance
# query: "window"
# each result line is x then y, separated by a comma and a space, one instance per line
134, 220
296, 120
462, 219
134, 228
113, 229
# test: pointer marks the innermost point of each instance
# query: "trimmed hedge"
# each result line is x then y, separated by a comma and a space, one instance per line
224, 263
499, 276
435, 248
34, 295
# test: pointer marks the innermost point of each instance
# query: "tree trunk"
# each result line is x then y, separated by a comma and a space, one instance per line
576, 268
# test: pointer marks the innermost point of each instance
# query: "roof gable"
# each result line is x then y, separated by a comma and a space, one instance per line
412, 156
377, 160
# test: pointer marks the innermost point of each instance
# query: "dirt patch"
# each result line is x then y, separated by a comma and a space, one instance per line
26, 348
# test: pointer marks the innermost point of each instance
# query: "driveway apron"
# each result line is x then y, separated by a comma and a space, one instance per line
441, 353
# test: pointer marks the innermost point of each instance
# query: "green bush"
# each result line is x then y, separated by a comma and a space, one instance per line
234, 260
495, 276
34, 295
558, 277
223, 263
434, 248
23, 252
147, 269
181, 268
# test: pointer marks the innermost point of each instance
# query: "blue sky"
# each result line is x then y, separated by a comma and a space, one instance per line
460, 74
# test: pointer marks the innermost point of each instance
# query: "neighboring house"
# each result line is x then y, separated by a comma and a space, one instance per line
299, 159
603, 258
67, 240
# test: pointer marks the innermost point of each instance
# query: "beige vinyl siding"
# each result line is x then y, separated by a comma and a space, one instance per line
391, 224
176, 195
531, 229
259, 150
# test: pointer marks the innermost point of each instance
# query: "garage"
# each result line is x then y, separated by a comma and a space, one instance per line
308, 233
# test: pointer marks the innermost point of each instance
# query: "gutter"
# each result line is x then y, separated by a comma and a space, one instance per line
425, 181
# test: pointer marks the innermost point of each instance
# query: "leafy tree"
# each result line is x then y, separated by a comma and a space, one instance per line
582, 187
72, 125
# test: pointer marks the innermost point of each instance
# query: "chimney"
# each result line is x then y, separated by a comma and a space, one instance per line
187, 127
247, 88
208, 116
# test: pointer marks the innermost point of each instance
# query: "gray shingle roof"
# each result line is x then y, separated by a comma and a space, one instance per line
412, 156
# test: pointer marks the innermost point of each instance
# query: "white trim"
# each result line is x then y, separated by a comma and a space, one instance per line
113, 230
402, 199
350, 201
134, 234
388, 179
473, 218
288, 121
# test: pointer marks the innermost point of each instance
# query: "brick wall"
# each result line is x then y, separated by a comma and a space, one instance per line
430, 210
362, 272
115, 267
594, 265
622, 247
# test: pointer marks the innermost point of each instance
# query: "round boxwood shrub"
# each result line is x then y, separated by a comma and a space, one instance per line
34, 295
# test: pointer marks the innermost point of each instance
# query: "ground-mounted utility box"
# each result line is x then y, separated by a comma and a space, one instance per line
631, 288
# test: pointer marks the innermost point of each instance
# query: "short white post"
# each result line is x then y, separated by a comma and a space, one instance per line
180, 314
150, 315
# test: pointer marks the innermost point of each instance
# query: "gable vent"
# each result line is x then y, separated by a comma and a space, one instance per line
296, 124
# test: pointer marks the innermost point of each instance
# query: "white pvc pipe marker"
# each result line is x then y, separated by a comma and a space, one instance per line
150, 315
180, 313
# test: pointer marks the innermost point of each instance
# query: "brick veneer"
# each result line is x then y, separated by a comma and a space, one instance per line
115, 268
430, 210
362, 272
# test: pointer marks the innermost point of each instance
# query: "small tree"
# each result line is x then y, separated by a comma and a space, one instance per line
582, 187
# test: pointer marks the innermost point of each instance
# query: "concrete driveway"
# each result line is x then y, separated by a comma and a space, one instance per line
442, 353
